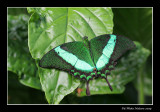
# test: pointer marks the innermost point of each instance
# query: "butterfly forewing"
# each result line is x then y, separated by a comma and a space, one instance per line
68, 56
101, 51
97, 45
106, 49
123, 44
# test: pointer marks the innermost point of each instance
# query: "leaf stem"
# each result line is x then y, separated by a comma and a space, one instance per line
141, 86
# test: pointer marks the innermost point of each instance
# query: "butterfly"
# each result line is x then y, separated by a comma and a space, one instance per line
86, 59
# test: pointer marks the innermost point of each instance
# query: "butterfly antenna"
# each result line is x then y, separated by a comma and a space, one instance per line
87, 90
109, 84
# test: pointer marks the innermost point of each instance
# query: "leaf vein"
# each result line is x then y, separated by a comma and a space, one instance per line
84, 20
97, 18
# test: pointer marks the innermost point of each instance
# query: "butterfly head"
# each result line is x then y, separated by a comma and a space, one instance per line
85, 38
94, 70
86, 41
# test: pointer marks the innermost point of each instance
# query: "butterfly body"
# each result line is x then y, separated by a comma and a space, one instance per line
88, 59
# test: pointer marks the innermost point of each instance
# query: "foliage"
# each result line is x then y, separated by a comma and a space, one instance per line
48, 30
19, 58
17, 11
20, 94
50, 27
136, 23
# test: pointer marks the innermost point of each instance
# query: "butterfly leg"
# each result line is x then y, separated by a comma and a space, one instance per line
87, 90
109, 84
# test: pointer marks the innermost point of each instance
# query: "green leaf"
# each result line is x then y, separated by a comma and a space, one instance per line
19, 59
17, 11
95, 99
147, 72
50, 27
143, 80
125, 71
20, 94
136, 23
129, 96
31, 10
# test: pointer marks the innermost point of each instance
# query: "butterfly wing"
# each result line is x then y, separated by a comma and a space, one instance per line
106, 49
73, 57
123, 44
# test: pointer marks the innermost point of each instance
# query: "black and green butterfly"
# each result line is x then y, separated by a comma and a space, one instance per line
88, 59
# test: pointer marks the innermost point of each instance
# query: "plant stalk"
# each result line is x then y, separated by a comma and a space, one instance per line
141, 96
